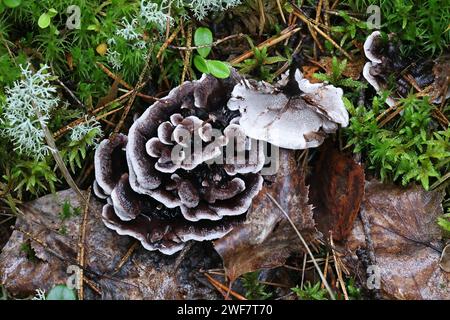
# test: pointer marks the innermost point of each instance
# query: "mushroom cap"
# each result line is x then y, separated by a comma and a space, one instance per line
370, 45
372, 51
385, 62
289, 122
166, 236
110, 164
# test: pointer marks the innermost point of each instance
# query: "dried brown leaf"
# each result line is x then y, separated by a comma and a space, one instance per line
145, 275
406, 240
267, 239
336, 191
308, 73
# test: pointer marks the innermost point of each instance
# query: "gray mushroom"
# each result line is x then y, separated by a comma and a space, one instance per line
387, 63
292, 122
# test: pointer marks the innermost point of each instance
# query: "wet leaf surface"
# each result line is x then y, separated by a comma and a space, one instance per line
406, 240
145, 275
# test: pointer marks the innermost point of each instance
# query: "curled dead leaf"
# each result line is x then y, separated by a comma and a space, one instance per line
336, 191
308, 73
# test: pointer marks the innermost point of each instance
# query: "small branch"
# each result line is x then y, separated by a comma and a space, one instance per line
74, 97
81, 244
285, 34
262, 17
299, 13
58, 159
167, 43
280, 9
135, 92
369, 242
125, 84
214, 44
337, 264
391, 116
222, 288
58, 134
126, 256
187, 56
327, 286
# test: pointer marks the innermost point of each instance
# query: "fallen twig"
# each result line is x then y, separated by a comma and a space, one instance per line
286, 33
57, 156
125, 84
299, 13
214, 44
81, 243
218, 285
330, 292
135, 92
126, 256
167, 43
337, 267
187, 56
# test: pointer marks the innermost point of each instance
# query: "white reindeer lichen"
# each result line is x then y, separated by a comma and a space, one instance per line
201, 8
80, 131
29, 97
155, 13
114, 59
40, 295
129, 30
158, 14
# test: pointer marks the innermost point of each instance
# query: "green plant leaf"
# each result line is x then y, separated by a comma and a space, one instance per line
218, 69
276, 59
93, 27
444, 222
52, 12
44, 20
61, 292
202, 37
12, 3
200, 64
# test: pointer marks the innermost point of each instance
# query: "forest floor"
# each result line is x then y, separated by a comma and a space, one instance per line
377, 191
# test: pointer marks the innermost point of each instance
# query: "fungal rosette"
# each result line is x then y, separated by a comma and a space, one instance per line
178, 176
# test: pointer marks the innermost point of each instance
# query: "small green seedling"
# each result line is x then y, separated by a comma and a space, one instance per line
255, 290
337, 76
46, 18
203, 38
310, 292
67, 211
26, 248
261, 62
